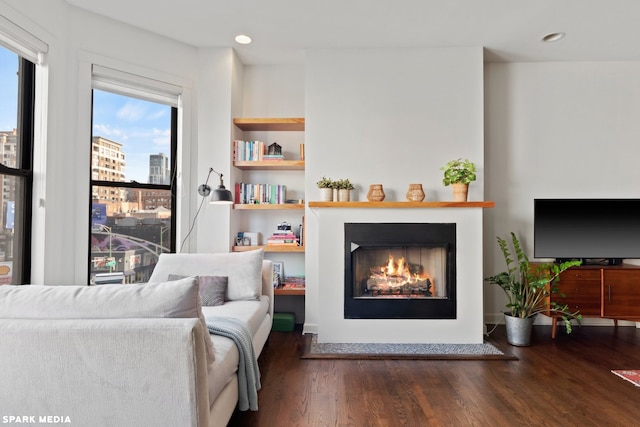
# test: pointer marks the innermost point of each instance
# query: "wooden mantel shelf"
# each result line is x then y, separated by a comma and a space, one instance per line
401, 204
270, 124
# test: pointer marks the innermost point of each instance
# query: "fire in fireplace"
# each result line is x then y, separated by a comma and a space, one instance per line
400, 270
399, 279
396, 278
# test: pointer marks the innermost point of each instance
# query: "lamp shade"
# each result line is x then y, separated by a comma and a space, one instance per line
218, 196
221, 195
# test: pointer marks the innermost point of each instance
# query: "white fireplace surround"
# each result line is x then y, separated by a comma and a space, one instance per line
332, 327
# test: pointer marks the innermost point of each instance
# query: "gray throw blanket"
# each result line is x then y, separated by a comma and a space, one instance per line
248, 371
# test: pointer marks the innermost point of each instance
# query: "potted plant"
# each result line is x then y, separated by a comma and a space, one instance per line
344, 187
326, 189
528, 288
459, 173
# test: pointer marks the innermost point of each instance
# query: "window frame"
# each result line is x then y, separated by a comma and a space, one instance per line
125, 84
21, 274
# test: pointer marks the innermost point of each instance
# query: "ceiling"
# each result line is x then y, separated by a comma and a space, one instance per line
509, 30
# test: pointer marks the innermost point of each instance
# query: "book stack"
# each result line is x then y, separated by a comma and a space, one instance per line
293, 282
283, 237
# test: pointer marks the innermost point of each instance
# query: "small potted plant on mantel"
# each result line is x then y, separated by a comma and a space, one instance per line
326, 189
459, 174
344, 187
528, 288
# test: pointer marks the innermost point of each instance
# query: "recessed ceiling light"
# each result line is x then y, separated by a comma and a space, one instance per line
552, 37
243, 39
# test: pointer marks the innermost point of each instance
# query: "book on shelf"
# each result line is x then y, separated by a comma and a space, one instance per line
293, 282
244, 151
282, 242
283, 235
301, 232
271, 194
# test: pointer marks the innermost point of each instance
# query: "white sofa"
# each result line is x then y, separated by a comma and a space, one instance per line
131, 355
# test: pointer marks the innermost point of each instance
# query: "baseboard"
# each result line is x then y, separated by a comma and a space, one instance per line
498, 319
310, 328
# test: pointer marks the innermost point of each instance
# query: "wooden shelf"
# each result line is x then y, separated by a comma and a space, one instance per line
401, 204
268, 206
270, 248
289, 291
270, 124
281, 165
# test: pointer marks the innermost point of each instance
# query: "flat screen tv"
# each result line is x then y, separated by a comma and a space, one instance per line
592, 230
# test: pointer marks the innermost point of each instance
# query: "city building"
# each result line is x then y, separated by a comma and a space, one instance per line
159, 169
108, 164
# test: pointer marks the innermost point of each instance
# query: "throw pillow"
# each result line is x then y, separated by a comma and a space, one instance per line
244, 270
212, 288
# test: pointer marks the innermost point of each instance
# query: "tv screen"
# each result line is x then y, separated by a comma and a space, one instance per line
587, 229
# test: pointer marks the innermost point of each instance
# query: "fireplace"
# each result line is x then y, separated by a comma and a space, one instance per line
400, 271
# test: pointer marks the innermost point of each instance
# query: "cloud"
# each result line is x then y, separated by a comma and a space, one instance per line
158, 114
132, 111
162, 139
109, 132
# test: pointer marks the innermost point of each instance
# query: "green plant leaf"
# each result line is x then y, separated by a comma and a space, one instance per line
528, 287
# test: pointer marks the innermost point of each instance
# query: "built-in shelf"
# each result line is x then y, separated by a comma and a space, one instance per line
270, 124
270, 248
272, 168
288, 291
280, 165
269, 206
390, 204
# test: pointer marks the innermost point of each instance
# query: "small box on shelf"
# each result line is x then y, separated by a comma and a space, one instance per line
248, 238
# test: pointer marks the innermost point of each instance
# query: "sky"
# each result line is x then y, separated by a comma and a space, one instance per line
8, 89
142, 127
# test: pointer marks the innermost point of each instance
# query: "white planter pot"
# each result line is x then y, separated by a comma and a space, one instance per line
326, 194
344, 195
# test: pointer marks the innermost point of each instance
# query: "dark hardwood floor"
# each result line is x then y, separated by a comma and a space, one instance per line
561, 382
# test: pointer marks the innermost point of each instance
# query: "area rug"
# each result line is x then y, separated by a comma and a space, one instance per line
484, 351
631, 375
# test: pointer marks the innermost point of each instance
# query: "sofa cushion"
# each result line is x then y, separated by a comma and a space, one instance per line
177, 299
212, 288
244, 270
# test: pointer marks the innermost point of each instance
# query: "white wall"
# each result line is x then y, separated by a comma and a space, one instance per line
217, 95
393, 117
387, 116
555, 130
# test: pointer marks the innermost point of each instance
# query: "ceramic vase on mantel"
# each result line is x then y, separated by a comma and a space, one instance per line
344, 195
415, 193
376, 193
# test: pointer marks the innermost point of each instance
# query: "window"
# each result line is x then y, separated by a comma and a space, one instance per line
17, 90
133, 180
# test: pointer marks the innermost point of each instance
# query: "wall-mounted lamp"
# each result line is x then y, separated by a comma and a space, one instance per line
220, 195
